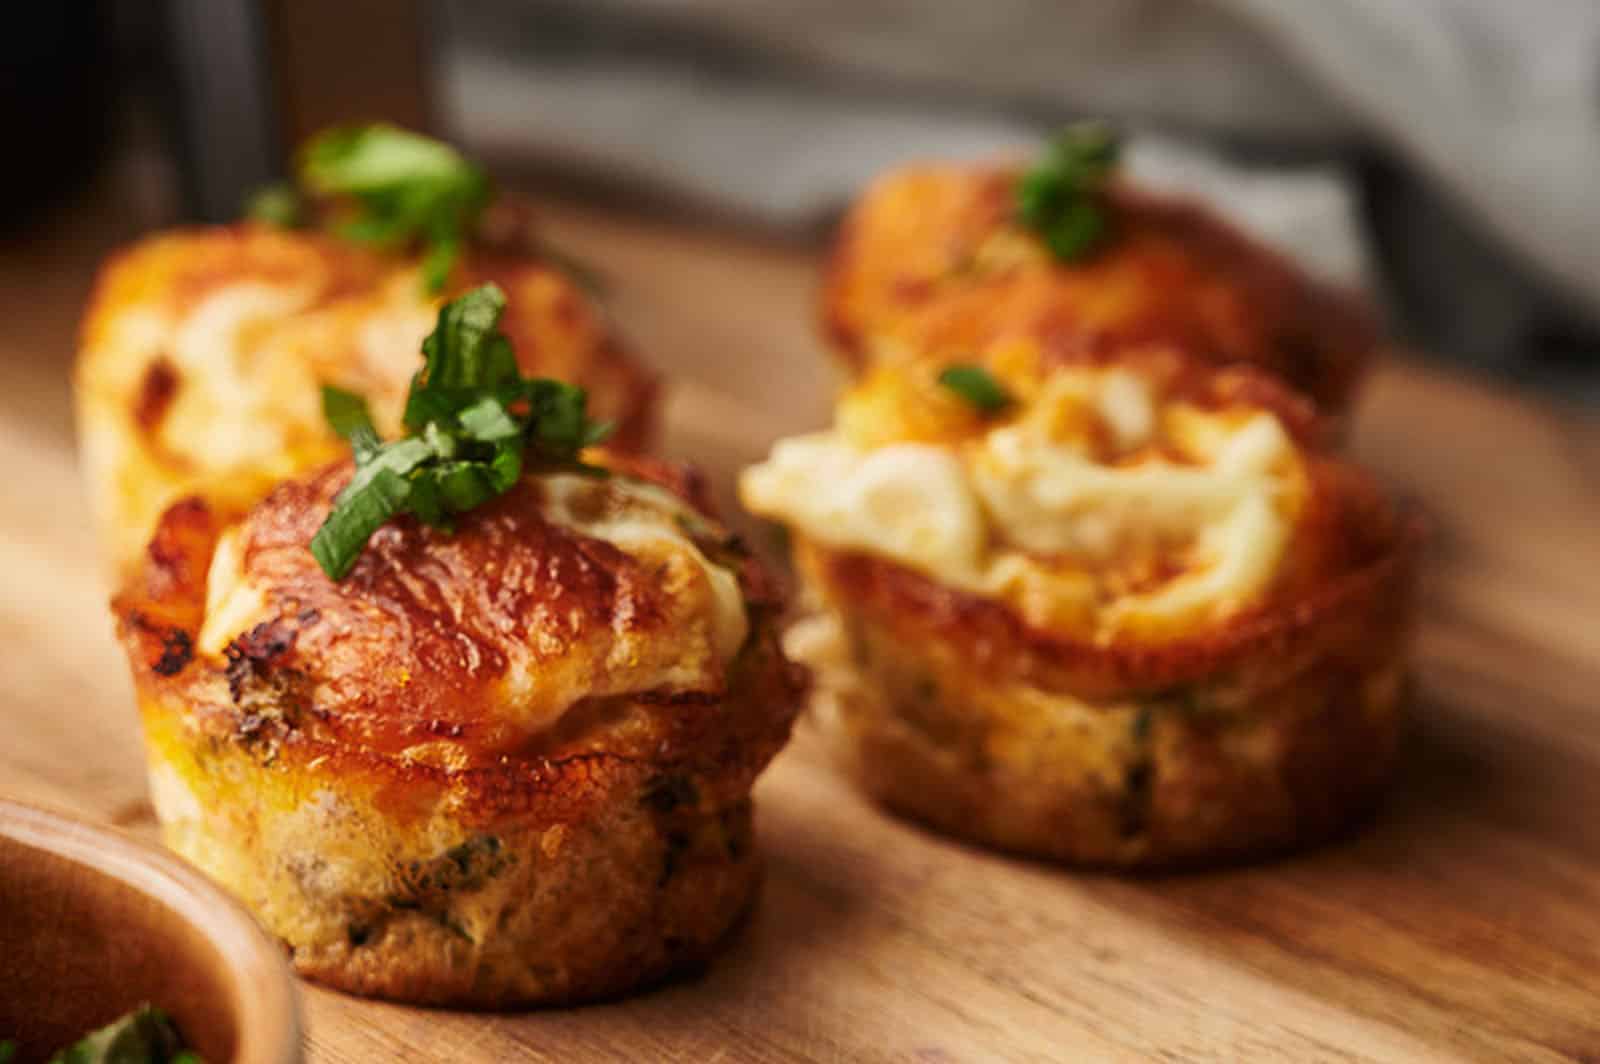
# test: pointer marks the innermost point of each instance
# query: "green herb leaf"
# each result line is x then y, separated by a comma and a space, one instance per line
488, 421
505, 468
399, 457
596, 433
403, 187
440, 260
1075, 230
473, 420
8, 1050
561, 424
463, 485
275, 204
354, 518
1060, 198
378, 159
466, 355
143, 1035
348, 415
466, 348
976, 386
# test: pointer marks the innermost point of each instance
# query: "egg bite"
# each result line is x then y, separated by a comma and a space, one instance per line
504, 765
1126, 614
203, 353
935, 260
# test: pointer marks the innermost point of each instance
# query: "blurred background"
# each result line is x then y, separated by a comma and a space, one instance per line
1442, 154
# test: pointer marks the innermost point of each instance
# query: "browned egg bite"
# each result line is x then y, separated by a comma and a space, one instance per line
1125, 611
504, 765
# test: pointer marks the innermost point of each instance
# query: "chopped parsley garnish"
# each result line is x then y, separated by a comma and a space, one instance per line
394, 189
977, 386
387, 187
402, 188
472, 421
144, 1036
275, 204
1060, 198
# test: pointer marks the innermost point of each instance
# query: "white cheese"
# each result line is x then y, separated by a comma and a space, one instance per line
234, 605
220, 416
907, 501
639, 516
1127, 408
1000, 515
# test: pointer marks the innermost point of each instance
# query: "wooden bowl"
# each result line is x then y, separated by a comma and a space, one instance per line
95, 924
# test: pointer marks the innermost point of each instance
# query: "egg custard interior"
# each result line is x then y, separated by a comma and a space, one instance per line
1098, 502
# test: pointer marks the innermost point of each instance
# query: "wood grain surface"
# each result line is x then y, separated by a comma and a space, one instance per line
1463, 924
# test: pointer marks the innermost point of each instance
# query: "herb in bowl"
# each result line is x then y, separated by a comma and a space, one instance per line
144, 1036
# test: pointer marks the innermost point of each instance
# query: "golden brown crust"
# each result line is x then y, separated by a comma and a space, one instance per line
534, 880
1167, 780
414, 644
410, 646
347, 316
916, 266
1270, 727
1350, 548
386, 830
1273, 729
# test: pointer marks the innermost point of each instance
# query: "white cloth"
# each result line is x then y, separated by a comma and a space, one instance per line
777, 110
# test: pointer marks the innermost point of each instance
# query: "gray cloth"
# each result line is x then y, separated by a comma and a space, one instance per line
1455, 143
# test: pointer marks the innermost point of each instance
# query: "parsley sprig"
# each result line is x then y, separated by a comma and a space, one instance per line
387, 187
472, 422
144, 1035
405, 187
275, 204
978, 387
1060, 198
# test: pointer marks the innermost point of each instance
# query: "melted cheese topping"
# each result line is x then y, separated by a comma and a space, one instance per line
240, 395
648, 523
234, 604
1098, 508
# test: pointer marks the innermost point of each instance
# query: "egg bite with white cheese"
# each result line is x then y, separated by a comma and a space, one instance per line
203, 353
505, 763
938, 260
1117, 613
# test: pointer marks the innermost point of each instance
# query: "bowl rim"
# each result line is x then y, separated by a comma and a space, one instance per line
264, 995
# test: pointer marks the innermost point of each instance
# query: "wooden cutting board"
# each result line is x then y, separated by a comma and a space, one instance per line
1462, 924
